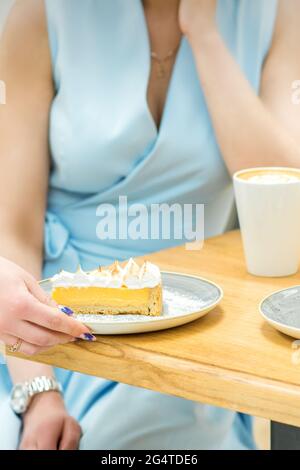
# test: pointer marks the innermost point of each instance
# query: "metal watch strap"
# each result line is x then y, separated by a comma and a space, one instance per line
43, 384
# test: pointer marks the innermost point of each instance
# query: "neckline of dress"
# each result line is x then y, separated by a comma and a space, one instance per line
157, 130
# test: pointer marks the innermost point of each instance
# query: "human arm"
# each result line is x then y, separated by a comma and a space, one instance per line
24, 169
251, 130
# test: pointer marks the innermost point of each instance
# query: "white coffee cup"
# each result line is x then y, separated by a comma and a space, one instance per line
268, 203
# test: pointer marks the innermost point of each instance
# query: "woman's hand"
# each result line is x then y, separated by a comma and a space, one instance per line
47, 425
26, 313
197, 16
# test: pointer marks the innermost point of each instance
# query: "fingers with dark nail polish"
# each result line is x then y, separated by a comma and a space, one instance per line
66, 310
88, 337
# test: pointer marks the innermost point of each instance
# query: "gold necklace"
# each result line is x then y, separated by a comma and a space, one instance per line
161, 62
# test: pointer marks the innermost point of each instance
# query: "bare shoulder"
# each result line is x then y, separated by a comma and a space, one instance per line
24, 45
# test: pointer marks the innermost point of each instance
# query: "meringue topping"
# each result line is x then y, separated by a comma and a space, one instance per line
81, 278
117, 275
132, 276
150, 274
100, 277
62, 279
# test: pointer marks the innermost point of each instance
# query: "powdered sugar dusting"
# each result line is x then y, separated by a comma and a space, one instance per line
185, 298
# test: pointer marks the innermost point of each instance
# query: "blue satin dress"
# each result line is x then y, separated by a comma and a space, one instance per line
104, 143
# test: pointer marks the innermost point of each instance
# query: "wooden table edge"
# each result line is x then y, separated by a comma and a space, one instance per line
204, 383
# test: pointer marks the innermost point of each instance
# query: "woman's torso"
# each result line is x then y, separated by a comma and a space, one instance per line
104, 141
104, 144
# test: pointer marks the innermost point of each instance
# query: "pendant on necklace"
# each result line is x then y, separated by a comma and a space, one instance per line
161, 71
161, 63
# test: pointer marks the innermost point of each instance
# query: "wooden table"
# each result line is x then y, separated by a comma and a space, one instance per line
230, 358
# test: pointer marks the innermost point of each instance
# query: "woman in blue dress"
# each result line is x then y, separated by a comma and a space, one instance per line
156, 101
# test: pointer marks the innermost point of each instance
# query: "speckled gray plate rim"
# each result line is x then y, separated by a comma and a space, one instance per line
283, 308
183, 295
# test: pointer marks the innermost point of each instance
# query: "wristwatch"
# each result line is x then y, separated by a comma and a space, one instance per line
23, 393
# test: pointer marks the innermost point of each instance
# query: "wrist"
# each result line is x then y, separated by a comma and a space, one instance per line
22, 394
41, 401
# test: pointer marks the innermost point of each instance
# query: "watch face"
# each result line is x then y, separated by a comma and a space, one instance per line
19, 399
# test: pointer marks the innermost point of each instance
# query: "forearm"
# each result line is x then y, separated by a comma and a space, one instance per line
21, 251
30, 258
247, 133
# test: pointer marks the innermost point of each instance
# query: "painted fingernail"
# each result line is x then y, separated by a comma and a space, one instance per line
88, 337
66, 310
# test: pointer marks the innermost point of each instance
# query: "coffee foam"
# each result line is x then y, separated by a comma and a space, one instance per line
270, 177
273, 179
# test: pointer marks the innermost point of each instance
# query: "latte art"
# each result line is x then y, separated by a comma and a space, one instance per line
271, 176
273, 179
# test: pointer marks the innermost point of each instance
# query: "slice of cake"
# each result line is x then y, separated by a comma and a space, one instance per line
112, 291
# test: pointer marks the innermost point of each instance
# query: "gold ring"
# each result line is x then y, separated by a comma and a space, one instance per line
15, 347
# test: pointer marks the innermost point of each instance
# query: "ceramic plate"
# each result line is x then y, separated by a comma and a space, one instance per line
185, 299
282, 310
